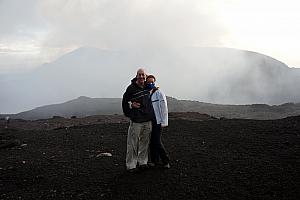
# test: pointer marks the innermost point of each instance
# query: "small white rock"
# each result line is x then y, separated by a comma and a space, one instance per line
104, 155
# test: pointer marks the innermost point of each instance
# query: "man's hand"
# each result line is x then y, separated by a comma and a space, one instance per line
135, 105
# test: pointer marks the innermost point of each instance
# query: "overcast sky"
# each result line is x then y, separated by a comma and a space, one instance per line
38, 31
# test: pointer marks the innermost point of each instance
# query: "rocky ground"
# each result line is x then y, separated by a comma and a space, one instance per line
210, 159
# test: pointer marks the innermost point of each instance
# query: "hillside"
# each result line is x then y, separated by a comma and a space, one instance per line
210, 159
85, 106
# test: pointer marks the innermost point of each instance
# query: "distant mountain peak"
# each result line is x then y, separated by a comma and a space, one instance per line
83, 98
89, 50
84, 52
214, 75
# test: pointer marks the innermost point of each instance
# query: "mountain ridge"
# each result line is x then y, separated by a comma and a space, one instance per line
84, 106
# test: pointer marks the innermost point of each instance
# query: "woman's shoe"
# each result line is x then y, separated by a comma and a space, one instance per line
151, 164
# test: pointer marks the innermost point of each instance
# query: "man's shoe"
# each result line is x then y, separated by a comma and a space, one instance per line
167, 166
143, 167
132, 170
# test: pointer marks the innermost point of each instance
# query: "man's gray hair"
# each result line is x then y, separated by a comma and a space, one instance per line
140, 69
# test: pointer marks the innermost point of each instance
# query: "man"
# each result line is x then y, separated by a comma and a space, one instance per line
137, 106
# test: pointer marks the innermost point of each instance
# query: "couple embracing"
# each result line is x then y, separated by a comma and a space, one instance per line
146, 106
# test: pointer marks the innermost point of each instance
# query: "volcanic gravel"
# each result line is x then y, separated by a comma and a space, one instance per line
211, 159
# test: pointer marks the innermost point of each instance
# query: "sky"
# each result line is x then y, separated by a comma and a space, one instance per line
34, 32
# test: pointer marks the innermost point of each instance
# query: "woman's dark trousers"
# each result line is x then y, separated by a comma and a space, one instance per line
157, 149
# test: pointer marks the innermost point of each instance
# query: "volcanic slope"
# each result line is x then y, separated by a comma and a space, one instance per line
210, 159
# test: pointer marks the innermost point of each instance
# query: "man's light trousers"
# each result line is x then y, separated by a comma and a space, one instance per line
138, 143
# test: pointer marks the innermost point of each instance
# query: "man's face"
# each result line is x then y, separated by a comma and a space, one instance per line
141, 76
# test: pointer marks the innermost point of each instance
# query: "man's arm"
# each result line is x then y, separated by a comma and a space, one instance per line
126, 106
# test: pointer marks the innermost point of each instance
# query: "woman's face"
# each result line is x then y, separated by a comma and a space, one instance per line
150, 80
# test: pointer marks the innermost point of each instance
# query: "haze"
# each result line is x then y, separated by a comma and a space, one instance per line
165, 36
34, 32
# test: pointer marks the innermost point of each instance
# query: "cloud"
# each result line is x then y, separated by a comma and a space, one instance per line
115, 24
19, 18
44, 30
58, 26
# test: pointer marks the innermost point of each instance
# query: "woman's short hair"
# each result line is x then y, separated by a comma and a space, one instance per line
151, 76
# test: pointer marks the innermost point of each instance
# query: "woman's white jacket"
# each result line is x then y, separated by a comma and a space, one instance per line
160, 106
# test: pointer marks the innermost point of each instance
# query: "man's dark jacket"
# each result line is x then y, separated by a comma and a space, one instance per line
134, 93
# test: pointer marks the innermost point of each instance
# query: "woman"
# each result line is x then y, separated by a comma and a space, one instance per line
159, 102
